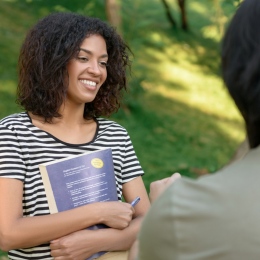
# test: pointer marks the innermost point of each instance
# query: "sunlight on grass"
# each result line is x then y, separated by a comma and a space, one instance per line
232, 127
185, 81
217, 15
156, 37
212, 32
198, 7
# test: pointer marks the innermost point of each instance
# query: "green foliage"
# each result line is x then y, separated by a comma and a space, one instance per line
177, 112
180, 117
236, 2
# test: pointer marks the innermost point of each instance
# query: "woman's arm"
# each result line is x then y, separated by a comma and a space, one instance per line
17, 231
123, 239
83, 244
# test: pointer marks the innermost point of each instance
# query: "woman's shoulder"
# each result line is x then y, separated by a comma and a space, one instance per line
14, 120
107, 124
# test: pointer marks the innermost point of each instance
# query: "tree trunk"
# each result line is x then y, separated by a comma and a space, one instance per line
113, 12
168, 14
184, 23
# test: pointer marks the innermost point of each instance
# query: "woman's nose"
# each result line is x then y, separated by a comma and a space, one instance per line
94, 68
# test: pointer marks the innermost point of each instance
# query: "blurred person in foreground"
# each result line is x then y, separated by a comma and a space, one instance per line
216, 216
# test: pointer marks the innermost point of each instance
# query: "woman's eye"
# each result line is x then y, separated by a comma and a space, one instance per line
103, 63
83, 59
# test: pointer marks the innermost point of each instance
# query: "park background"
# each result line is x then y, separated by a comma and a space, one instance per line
177, 111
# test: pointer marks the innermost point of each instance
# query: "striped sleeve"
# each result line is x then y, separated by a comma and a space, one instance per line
11, 155
131, 167
126, 163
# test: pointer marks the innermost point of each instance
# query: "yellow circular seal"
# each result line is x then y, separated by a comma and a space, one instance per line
97, 163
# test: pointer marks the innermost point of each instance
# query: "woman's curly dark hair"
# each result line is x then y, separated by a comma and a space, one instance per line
44, 56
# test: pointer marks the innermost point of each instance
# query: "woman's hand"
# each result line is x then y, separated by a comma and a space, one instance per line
158, 187
117, 215
76, 246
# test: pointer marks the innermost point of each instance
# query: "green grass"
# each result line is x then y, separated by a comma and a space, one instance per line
177, 112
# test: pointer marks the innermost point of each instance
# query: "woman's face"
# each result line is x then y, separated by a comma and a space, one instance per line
87, 71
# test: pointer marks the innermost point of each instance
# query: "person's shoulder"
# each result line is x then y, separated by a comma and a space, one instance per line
230, 177
216, 187
14, 120
107, 124
203, 186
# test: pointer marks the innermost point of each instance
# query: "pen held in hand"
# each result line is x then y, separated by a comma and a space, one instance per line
135, 201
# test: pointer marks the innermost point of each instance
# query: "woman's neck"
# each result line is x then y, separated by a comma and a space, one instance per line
71, 127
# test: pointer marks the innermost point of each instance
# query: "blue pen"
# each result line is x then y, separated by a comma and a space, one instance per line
135, 201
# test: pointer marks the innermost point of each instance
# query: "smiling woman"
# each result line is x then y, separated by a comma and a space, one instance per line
72, 70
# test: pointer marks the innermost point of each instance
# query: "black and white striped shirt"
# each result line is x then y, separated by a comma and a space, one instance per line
23, 147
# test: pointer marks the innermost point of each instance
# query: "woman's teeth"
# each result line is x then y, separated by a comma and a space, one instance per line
88, 82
